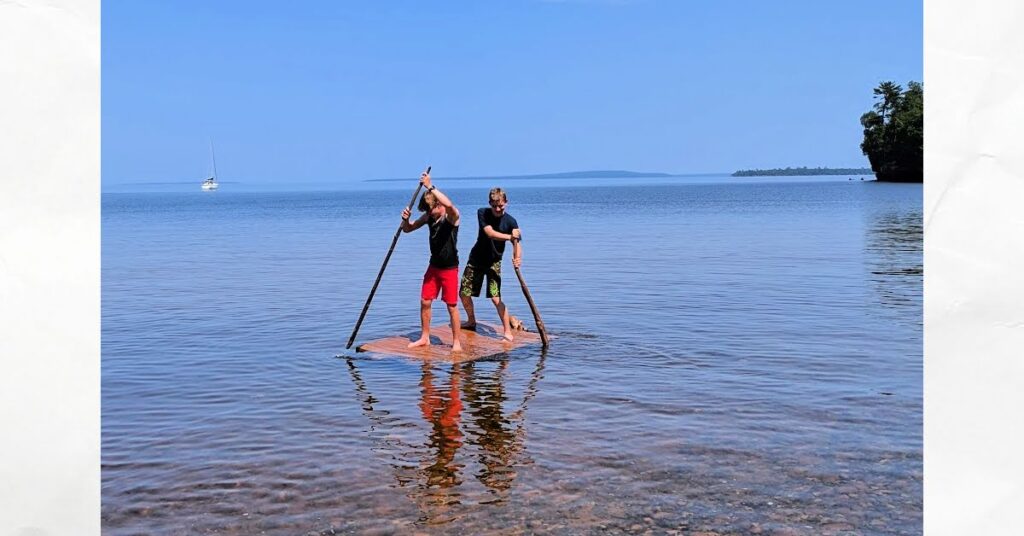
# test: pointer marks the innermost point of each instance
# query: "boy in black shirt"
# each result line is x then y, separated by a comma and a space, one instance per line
494, 228
442, 275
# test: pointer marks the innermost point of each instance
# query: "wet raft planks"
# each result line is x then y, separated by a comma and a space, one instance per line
486, 341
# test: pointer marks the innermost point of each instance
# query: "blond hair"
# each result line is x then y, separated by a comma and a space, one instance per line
497, 193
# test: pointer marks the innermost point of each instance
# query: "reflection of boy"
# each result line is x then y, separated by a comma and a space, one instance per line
494, 228
486, 398
443, 413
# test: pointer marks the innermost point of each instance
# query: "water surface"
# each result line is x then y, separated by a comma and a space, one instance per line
732, 356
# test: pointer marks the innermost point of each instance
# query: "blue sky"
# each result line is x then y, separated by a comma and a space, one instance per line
334, 92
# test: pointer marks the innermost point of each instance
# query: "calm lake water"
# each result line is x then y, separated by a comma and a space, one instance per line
732, 357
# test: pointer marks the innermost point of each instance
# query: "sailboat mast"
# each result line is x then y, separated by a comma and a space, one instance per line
213, 157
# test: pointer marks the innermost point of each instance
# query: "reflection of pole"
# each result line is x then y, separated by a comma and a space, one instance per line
531, 390
366, 400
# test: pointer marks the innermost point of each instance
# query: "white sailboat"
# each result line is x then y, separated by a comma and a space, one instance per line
211, 182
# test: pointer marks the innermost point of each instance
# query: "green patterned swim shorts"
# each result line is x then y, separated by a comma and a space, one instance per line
473, 279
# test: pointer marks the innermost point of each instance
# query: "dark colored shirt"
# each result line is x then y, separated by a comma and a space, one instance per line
443, 238
486, 251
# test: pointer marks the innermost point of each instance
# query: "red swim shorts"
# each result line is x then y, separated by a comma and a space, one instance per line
441, 280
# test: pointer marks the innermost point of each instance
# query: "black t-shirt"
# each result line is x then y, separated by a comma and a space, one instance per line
486, 251
443, 237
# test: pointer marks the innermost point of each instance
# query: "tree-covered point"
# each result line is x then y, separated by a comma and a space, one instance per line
789, 171
894, 133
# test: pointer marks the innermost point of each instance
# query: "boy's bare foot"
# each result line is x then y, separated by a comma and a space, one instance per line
507, 336
456, 348
471, 326
422, 341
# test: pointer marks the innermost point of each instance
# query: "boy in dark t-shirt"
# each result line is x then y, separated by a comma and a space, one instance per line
442, 275
494, 228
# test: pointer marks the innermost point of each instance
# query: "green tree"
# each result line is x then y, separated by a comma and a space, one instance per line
894, 132
890, 94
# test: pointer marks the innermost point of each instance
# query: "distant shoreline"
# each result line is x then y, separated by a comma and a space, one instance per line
601, 174
801, 171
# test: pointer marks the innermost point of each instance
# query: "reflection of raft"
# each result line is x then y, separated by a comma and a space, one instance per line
486, 341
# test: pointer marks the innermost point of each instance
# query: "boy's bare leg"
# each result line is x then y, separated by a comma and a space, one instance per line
453, 312
467, 304
424, 339
503, 315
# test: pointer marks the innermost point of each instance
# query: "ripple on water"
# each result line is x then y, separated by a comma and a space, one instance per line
761, 376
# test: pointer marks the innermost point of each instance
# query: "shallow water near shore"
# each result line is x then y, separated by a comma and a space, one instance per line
732, 357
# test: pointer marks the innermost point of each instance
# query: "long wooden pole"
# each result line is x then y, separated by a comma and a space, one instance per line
382, 267
533, 308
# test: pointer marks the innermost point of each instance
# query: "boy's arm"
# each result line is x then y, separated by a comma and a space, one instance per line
495, 235
517, 252
453, 212
407, 226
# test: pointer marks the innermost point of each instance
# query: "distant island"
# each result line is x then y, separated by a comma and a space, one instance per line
596, 174
788, 172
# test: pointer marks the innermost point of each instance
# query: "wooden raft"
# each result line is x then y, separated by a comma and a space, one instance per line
486, 341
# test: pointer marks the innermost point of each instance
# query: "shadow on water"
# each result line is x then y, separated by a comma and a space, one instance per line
464, 409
